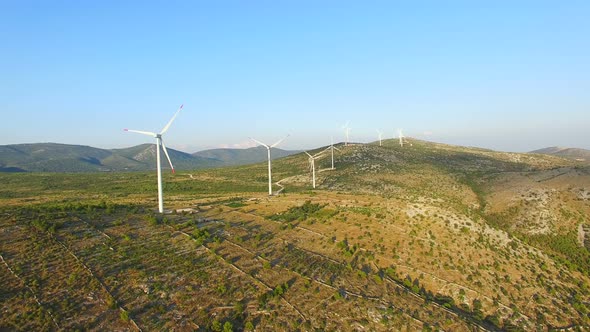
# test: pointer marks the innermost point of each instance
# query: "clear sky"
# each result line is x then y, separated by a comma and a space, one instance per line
507, 75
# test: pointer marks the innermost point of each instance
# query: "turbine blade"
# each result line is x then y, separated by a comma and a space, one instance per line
279, 142
346, 125
308, 154
318, 155
141, 132
167, 156
335, 148
260, 143
171, 120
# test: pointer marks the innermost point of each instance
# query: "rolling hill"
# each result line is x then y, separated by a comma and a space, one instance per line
569, 153
234, 157
420, 238
53, 157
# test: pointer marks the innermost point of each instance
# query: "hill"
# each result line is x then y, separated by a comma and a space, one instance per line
569, 153
234, 157
53, 157
145, 154
424, 237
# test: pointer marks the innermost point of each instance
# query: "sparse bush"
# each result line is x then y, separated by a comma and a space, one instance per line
377, 278
153, 220
300, 213
228, 327
216, 326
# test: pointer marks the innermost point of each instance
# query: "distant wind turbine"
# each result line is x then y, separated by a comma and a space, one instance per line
332, 148
380, 136
312, 164
268, 147
346, 132
402, 138
160, 143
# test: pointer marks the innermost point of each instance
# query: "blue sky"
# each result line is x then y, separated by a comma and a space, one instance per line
507, 75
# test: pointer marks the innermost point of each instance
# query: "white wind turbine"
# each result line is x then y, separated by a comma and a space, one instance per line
160, 143
346, 132
380, 136
312, 164
268, 147
332, 148
402, 138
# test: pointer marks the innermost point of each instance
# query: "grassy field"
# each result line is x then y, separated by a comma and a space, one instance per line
421, 238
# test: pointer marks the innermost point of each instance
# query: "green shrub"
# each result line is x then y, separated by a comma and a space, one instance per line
124, 316
300, 213
228, 327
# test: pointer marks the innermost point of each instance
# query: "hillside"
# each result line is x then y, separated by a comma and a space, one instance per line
234, 157
569, 153
145, 154
53, 157
424, 237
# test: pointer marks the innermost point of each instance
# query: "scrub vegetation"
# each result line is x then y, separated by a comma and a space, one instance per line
425, 237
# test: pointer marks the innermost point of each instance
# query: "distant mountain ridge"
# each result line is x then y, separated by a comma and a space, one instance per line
56, 157
568, 153
234, 157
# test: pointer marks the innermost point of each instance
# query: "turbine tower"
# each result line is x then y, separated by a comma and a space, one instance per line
380, 136
312, 164
268, 147
159, 143
346, 132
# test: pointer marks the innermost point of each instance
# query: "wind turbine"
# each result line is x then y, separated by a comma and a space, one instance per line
268, 147
402, 138
346, 132
312, 164
380, 136
331, 148
159, 143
